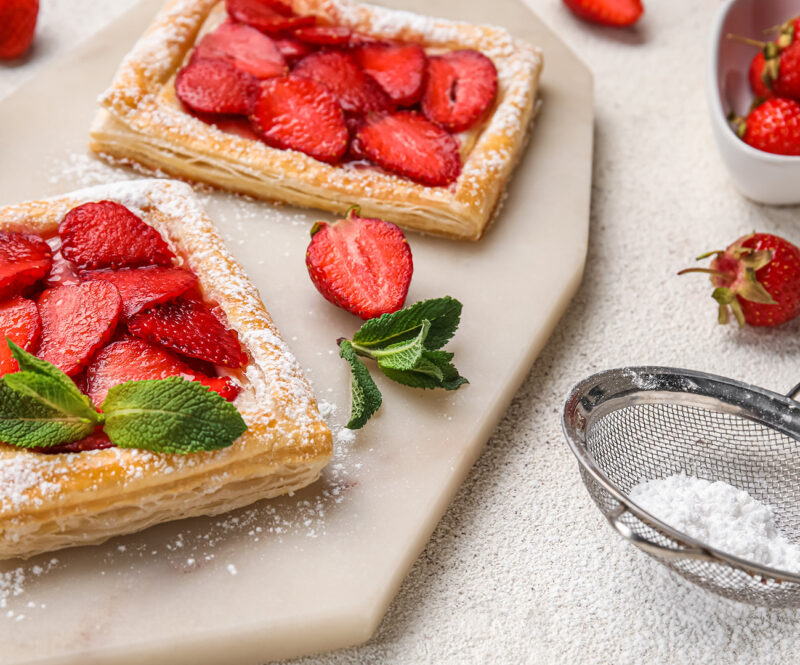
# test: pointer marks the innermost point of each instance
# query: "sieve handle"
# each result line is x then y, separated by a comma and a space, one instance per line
794, 393
653, 548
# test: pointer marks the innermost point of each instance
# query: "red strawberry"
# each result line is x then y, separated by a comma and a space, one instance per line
773, 126
190, 328
292, 49
216, 86
131, 359
141, 288
248, 49
758, 278
616, 13
300, 114
108, 235
786, 81
359, 264
20, 322
97, 440
460, 87
356, 91
325, 35
398, 68
76, 321
24, 260
756, 77
267, 15
17, 24
61, 270
408, 144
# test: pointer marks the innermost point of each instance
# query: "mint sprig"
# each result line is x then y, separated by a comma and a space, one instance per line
41, 407
406, 346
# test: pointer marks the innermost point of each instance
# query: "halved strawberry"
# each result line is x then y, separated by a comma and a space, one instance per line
141, 288
408, 144
17, 25
97, 440
267, 15
20, 322
616, 13
76, 321
189, 327
24, 260
131, 359
398, 68
216, 86
292, 49
300, 114
356, 91
324, 35
359, 264
106, 234
460, 86
246, 48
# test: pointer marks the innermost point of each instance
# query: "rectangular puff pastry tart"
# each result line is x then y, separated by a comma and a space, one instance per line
328, 104
129, 282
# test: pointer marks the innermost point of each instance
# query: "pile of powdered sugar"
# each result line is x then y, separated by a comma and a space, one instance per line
720, 516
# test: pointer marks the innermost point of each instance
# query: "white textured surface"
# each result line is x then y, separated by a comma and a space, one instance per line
522, 568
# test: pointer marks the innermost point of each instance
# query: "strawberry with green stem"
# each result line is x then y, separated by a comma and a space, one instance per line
757, 278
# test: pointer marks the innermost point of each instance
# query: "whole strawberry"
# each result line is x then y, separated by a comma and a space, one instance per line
756, 77
616, 13
17, 23
757, 278
773, 126
781, 71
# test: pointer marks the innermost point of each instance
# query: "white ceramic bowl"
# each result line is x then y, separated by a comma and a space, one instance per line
759, 175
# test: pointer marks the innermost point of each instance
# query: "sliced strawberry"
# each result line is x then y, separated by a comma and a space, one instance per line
292, 49
356, 91
460, 86
398, 68
24, 260
190, 328
267, 15
355, 151
141, 288
17, 25
131, 359
76, 321
244, 47
108, 235
61, 270
216, 86
324, 35
20, 322
361, 265
300, 114
408, 144
97, 440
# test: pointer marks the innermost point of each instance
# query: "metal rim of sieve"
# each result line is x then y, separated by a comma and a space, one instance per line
607, 391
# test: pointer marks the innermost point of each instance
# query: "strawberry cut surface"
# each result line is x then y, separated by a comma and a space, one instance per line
141, 288
132, 359
359, 264
216, 86
324, 35
271, 16
356, 91
460, 86
300, 114
76, 321
20, 322
190, 328
108, 235
408, 144
292, 49
244, 47
97, 440
24, 260
398, 68
17, 25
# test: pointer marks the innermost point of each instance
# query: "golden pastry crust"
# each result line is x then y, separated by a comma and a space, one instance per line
142, 120
53, 501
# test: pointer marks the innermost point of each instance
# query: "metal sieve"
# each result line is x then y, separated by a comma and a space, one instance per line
641, 423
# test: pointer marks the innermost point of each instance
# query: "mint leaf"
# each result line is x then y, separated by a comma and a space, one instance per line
170, 415
402, 355
444, 315
434, 370
366, 398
